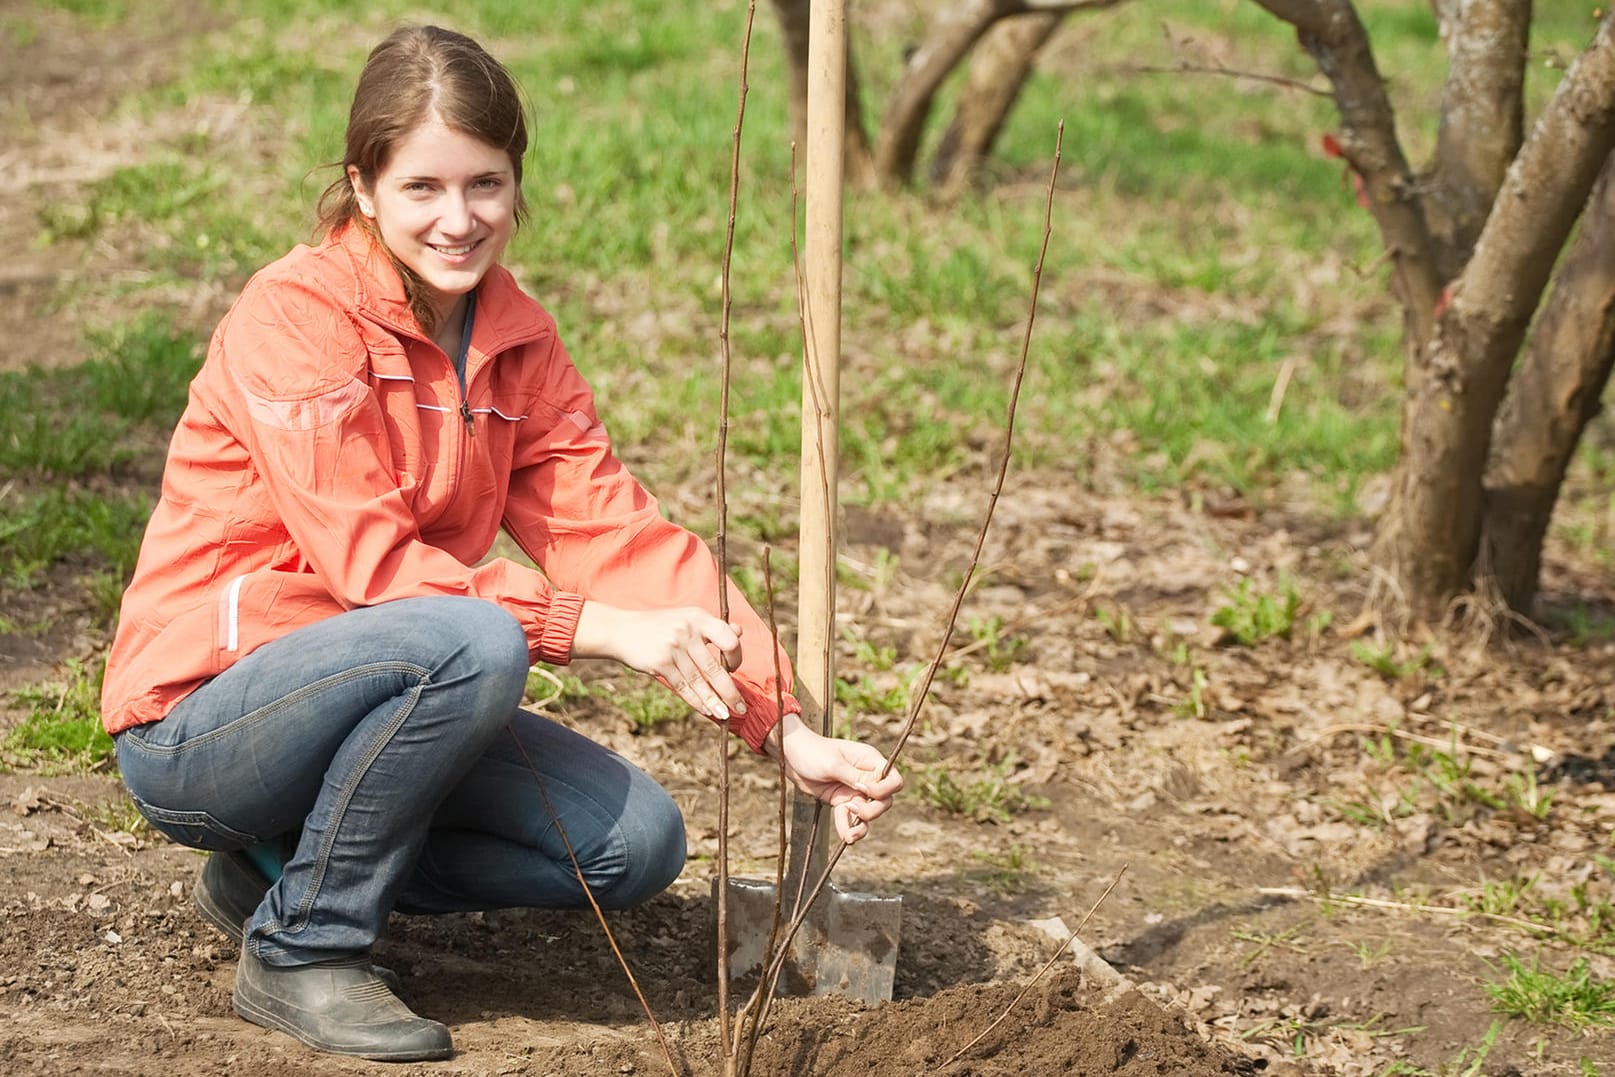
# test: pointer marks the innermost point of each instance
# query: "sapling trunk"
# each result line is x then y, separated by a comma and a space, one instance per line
762, 997
723, 543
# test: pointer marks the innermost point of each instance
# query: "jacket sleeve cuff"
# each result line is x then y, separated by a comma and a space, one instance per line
559, 628
761, 716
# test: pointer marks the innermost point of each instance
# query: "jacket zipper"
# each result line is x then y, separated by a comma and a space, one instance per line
462, 363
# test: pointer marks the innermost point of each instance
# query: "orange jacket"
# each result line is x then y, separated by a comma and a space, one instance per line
323, 463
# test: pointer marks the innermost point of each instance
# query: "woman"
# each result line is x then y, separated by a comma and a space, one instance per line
316, 674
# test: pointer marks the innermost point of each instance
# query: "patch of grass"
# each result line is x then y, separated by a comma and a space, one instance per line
1411, 777
1000, 650
45, 433
103, 11
39, 531
1250, 617
1585, 627
71, 423
150, 192
648, 706
548, 686
878, 657
1193, 703
62, 730
1004, 871
1117, 622
1392, 662
987, 796
1574, 998
1467, 1063
878, 694
627, 201
141, 370
119, 815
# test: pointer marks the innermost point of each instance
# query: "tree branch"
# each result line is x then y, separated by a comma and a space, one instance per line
954, 31
1543, 192
1553, 394
1482, 120
1332, 33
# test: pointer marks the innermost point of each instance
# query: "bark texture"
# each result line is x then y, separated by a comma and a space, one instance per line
1482, 121
1332, 33
1553, 395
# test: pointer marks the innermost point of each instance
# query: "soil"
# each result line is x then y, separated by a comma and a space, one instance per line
1220, 805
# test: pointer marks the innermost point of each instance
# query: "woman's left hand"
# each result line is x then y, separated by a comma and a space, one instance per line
844, 774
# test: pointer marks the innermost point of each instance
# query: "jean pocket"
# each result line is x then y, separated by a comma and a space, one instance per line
197, 829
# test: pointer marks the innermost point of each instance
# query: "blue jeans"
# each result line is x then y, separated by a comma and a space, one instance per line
388, 743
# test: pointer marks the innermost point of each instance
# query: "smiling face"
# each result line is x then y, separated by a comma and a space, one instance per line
445, 206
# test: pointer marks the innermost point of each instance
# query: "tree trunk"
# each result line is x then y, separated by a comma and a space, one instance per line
954, 31
1429, 537
1482, 121
1552, 397
998, 70
858, 161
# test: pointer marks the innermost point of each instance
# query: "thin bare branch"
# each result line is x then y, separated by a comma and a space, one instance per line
744, 1059
1332, 33
1047, 965
1185, 68
599, 915
923, 689
723, 544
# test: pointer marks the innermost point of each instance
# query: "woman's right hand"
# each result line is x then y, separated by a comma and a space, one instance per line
686, 647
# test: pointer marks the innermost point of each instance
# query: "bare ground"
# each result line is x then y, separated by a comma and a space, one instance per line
1228, 804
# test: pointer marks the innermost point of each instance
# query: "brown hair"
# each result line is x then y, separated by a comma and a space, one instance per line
418, 72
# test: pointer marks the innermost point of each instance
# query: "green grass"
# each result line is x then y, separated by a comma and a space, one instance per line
1202, 246
1251, 616
1467, 1063
647, 706
1574, 998
1168, 190
68, 437
62, 729
1189, 192
985, 795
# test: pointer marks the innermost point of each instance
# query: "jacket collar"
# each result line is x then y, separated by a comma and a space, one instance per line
506, 316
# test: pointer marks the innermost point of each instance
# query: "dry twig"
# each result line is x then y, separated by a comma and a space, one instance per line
1016, 1001
1399, 906
611, 940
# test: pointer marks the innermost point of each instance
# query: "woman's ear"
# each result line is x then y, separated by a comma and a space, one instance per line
367, 204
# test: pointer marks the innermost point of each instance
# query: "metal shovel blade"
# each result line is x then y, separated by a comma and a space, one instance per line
847, 945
